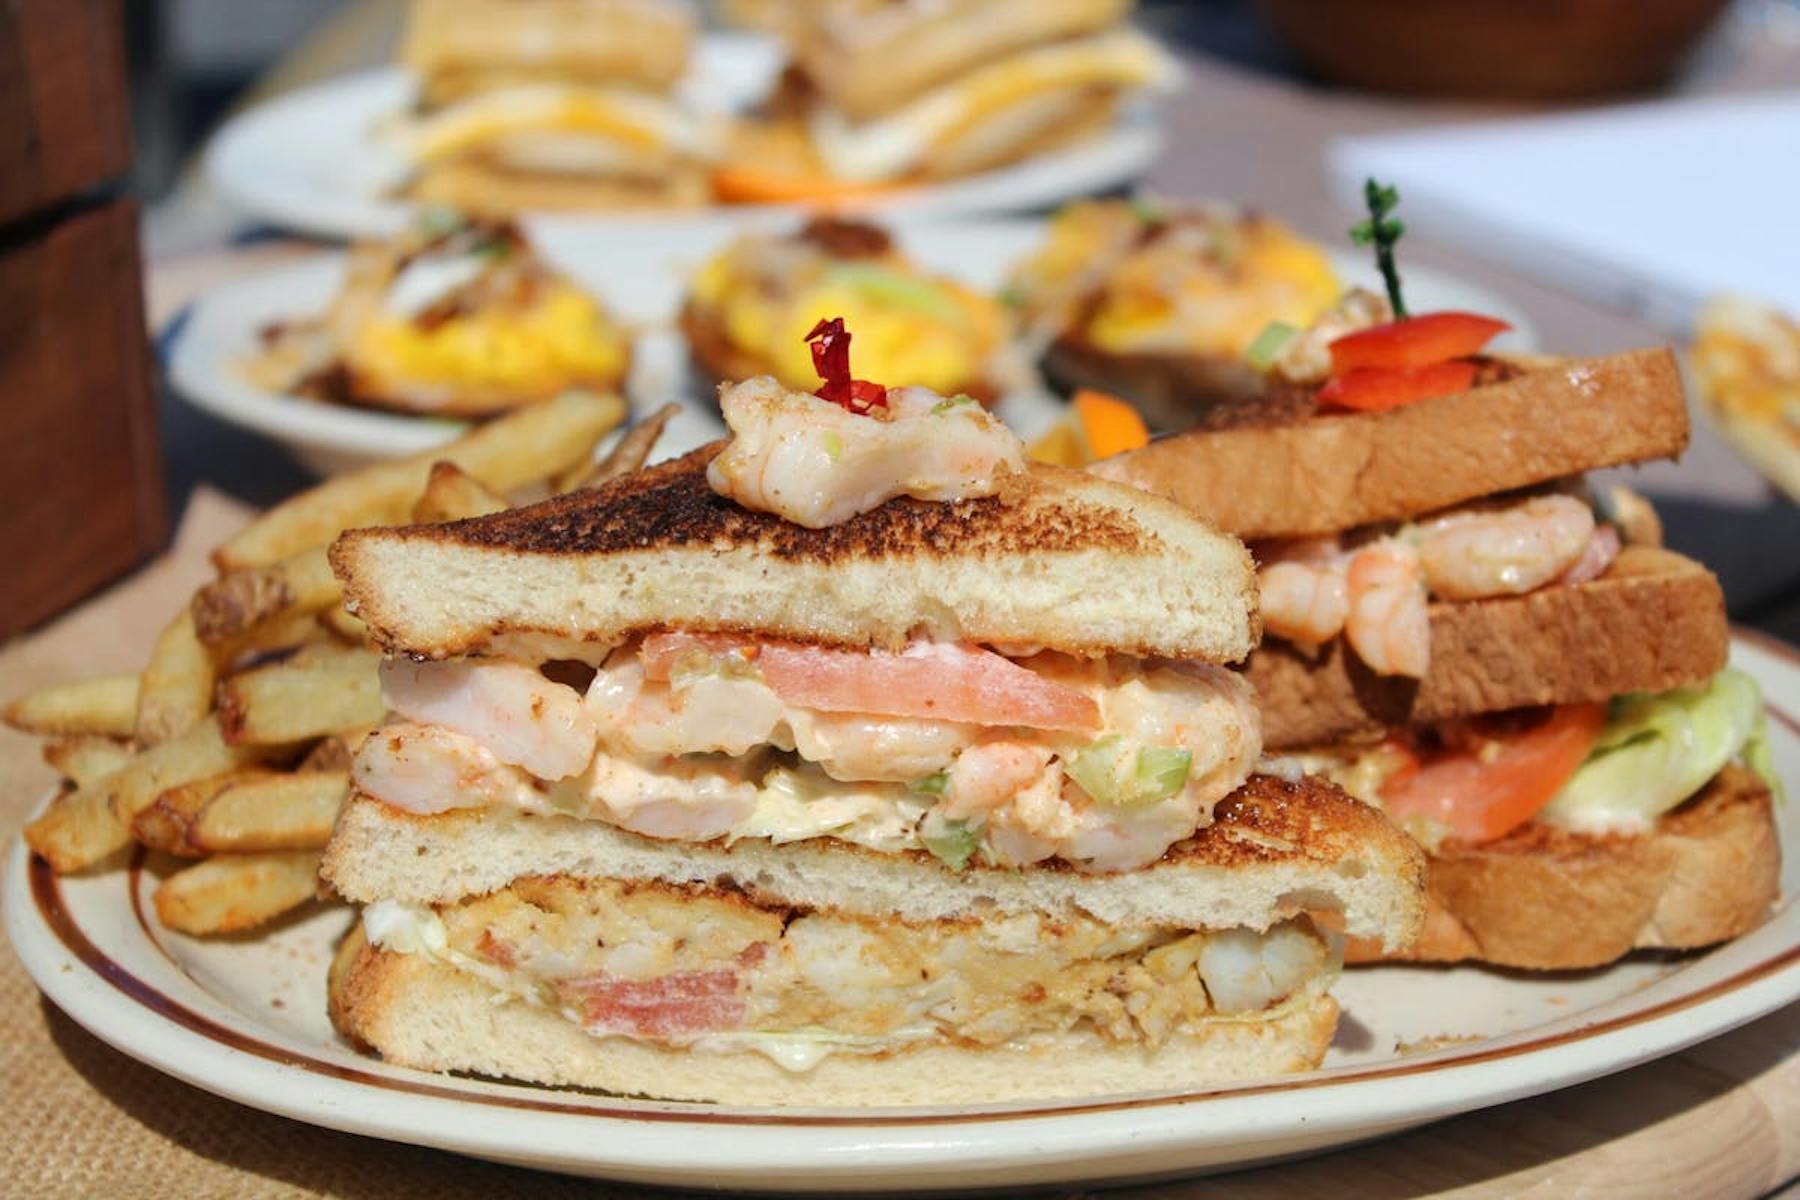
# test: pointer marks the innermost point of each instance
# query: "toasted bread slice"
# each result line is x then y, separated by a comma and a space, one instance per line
1654, 621
464, 47
1059, 559
1274, 849
1303, 472
1548, 899
420, 1014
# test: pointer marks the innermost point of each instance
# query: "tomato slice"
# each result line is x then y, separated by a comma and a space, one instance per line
1415, 342
932, 680
1372, 389
1484, 792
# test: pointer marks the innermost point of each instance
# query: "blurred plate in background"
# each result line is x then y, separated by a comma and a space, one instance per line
641, 273
309, 160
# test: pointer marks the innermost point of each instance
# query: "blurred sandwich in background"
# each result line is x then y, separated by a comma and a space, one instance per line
552, 104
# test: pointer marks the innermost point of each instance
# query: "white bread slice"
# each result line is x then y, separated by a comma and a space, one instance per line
1274, 849
1061, 560
865, 61
1309, 474
1654, 621
1548, 899
421, 1014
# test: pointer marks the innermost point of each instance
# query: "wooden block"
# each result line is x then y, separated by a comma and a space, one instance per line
65, 124
81, 490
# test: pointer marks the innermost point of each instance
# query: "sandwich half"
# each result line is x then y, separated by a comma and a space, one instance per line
804, 767
887, 93
1506, 660
551, 105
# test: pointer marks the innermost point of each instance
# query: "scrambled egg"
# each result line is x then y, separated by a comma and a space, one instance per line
558, 339
1200, 281
909, 328
1746, 359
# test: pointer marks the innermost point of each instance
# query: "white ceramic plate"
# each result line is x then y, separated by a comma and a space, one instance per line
641, 273
308, 160
245, 1018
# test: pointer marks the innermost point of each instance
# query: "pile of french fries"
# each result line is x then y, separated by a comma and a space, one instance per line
234, 744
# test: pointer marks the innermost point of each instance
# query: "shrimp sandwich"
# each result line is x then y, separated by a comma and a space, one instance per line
1465, 633
851, 761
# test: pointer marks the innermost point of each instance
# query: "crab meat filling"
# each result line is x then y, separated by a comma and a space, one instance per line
716, 971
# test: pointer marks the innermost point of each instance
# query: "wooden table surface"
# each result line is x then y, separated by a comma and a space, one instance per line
1721, 1119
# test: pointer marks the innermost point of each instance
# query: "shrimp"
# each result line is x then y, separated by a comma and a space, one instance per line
1306, 605
1123, 839
985, 777
682, 799
1306, 359
1476, 553
521, 717
716, 713
1388, 625
429, 769
816, 464
1601, 549
1246, 971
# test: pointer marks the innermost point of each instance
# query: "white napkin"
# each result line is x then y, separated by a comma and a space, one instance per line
1647, 208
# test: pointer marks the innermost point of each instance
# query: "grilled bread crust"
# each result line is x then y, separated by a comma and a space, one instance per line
1275, 848
1544, 898
1324, 473
1059, 559
1654, 621
420, 1014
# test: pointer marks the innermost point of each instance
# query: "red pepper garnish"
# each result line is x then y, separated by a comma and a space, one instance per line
830, 343
1415, 341
1371, 389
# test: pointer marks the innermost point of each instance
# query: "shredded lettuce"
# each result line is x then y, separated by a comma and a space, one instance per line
1657, 750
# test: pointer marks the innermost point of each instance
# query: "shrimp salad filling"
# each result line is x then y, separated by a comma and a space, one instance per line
958, 750
1599, 769
713, 971
1373, 586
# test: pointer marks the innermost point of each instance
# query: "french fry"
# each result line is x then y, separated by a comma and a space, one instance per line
320, 690
287, 632
280, 812
452, 494
630, 454
78, 829
106, 704
335, 752
88, 758
538, 441
345, 625
176, 690
240, 601
166, 822
234, 892
200, 752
